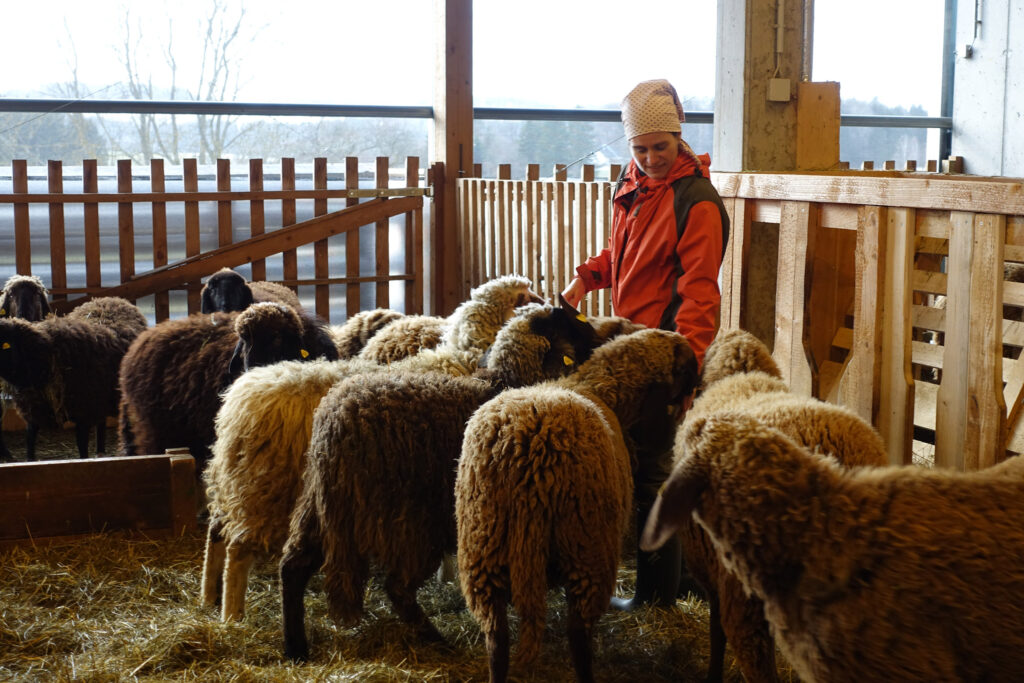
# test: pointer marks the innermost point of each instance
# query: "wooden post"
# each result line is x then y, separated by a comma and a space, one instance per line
453, 143
125, 221
798, 228
733, 274
817, 130
382, 256
58, 262
321, 263
161, 300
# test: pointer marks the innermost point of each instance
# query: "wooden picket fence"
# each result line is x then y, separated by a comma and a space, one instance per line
185, 270
882, 291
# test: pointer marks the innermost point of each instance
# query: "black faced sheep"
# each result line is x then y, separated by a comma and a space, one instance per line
24, 296
544, 489
227, 291
65, 369
379, 485
739, 375
472, 326
352, 335
173, 375
867, 574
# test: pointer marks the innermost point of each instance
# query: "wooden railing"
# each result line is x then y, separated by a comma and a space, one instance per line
115, 222
881, 291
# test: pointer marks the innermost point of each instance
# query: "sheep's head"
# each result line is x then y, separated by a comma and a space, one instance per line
736, 351
25, 353
540, 342
24, 296
665, 401
267, 333
511, 290
226, 291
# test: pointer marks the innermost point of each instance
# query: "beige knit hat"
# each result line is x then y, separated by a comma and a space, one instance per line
652, 107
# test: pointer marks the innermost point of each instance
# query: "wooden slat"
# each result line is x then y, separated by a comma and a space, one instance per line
519, 192
570, 237
985, 434
490, 234
532, 195
257, 215
557, 276
22, 234
798, 233
605, 207
382, 240
224, 228
352, 303
500, 203
58, 262
321, 264
861, 382
91, 218
190, 179
414, 244
161, 300
289, 257
896, 398
951, 404
125, 221
583, 238
550, 222
928, 355
68, 497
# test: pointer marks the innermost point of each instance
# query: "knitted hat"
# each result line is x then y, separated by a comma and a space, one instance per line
652, 107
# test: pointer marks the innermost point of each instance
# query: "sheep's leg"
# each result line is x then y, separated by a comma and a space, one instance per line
82, 439
213, 564
497, 641
299, 563
124, 430
240, 557
449, 569
717, 635
31, 433
580, 637
403, 598
101, 437
5, 454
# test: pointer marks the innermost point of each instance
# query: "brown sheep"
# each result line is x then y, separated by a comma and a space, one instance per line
869, 574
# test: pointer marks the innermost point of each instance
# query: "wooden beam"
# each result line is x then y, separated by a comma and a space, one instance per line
817, 126
155, 494
797, 234
453, 143
261, 246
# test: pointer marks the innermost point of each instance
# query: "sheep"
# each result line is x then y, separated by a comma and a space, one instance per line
544, 489
24, 296
173, 374
740, 375
379, 483
351, 336
472, 326
227, 291
65, 369
868, 574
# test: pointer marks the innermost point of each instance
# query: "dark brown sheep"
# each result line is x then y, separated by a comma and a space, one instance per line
24, 296
65, 369
227, 291
172, 376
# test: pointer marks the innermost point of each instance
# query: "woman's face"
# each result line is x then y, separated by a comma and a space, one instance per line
655, 153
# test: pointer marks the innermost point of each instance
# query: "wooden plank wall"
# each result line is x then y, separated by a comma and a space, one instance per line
890, 294
133, 233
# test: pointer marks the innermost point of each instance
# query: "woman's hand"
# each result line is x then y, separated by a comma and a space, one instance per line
574, 293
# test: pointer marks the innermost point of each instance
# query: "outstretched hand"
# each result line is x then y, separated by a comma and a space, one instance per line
573, 294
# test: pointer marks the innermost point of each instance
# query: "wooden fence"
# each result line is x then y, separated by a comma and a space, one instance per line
259, 241
881, 291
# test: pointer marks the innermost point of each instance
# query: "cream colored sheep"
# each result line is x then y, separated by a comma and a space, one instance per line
352, 335
866, 574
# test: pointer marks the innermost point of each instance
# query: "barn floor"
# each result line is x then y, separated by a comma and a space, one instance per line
111, 608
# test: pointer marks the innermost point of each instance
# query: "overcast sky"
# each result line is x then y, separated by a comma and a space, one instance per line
585, 53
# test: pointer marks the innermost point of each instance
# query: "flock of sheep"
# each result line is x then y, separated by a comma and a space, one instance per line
503, 434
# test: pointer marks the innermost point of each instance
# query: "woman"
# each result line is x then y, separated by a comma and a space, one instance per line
668, 236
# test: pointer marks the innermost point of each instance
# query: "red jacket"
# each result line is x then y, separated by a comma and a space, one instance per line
665, 249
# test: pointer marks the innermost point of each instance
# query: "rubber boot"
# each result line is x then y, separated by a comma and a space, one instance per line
657, 578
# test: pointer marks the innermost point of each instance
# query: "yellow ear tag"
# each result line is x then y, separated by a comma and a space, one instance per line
582, 318
567, 360
7, 345
304, 352
3, 311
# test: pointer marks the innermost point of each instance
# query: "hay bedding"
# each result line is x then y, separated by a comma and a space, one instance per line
117, 608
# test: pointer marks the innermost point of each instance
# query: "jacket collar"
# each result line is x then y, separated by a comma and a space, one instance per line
684, 165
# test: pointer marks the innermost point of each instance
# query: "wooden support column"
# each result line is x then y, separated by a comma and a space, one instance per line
798, 228
896, 397
453, 145
859, 387
817, 126
733, 276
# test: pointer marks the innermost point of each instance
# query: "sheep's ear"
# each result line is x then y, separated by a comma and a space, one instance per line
207, 300
687, 372
44, 306
236, 366
676, 500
